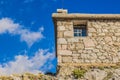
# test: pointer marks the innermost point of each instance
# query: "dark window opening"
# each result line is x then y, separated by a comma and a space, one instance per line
80, 31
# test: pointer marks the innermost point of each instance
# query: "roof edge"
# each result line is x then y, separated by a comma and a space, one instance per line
84, 16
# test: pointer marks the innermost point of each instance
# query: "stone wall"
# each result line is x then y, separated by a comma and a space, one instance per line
101, 45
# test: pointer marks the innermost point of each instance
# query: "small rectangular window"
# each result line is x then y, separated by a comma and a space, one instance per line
80, 30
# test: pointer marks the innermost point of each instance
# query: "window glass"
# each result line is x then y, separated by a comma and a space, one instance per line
80, 31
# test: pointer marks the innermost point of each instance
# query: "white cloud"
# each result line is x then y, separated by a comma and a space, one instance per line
23, 63
8, 26
30, 37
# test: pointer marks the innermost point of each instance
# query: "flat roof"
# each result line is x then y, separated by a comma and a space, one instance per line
84, 16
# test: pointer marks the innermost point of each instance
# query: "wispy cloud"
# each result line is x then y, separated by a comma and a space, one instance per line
23, 63
7, 25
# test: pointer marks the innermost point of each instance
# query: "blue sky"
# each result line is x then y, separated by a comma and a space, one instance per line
27, 32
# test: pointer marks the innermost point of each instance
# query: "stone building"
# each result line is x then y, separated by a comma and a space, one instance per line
86, 39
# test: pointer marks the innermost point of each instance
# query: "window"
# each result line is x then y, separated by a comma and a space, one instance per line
80, 30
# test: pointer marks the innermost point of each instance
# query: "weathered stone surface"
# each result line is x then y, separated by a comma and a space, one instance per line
99, 30
60, 34
60, 28
61, 41
80, 51
117, 30
76, 55
115, 59
101, 45
59, 47
116, 75
69, 27
105, 30
71, 46
85, 56
68, 34
108, 39
114, 38
96, 74
117, 34
93, 55
64, 52
91, 30
64, 47
66, 59
59, 59
73, 40
102, 57
28, 76
118, 53
101, 34
79, 46
16, 78
88, 43
90, 34
96, 50
76, 60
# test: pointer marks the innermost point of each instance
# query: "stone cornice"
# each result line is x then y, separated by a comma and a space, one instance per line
58, 16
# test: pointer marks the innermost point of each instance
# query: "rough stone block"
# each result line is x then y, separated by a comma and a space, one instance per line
91, 30
96, 74
93, 55
80, 51
92, 61
64, 47
114, 38
96, 50
59, 23
115, 59
87, 61
116, 44
88, 43
68, 34
101, 34
79, 46
90, 34
64, 52
71, 46
75, 55
108, 39
61, 41
117, 34
102, 57
111, 30
106, 61
85, 56
76, 60
105, 30
67, 59
60, 28
73, 40
69, 27
60, 34
99, 30
99, 47
59, 47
